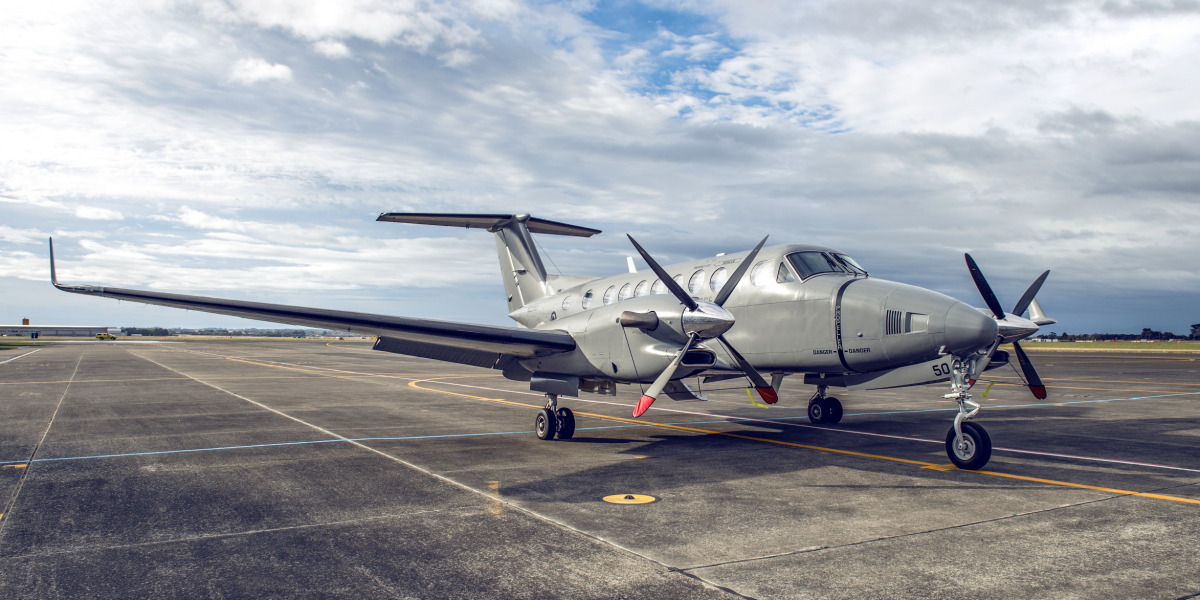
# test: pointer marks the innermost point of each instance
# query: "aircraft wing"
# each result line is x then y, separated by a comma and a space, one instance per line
481, 345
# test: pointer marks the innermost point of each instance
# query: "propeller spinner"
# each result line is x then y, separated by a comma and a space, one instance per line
703, 320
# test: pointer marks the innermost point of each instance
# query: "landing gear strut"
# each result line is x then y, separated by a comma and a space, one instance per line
824, 409
967, 444
554, 420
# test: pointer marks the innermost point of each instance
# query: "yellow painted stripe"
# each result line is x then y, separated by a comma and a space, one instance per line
823, 449
747, 437
1103, 381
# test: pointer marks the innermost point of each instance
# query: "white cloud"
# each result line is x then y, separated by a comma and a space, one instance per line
331, 49
98, 213
1079, 136
254, 70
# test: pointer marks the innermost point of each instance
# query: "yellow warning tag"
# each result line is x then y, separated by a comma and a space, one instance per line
989, 388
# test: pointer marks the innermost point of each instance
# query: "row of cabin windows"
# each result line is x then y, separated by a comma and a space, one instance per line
806, 264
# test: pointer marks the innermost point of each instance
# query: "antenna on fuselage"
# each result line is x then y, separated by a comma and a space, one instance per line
632, 267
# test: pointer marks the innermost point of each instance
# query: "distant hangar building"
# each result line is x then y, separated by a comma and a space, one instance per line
52, 330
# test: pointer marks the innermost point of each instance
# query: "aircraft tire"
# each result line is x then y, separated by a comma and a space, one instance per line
833, 410
817, 412
979, 448
566, 424
545, 425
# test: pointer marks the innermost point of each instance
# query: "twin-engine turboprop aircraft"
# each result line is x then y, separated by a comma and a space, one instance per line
784, 310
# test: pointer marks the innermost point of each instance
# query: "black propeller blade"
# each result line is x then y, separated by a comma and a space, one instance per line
764, 389
1031, 376
666, 278
1023, 303
732, 282
985, 290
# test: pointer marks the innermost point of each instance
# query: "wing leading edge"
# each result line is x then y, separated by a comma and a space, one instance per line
464, 343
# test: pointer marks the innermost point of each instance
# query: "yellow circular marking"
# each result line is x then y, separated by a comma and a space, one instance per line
629, 499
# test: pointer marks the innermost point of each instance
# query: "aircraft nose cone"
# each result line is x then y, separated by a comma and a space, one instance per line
968, 330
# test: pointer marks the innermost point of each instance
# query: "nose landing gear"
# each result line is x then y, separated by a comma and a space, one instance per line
553, 420
967, 444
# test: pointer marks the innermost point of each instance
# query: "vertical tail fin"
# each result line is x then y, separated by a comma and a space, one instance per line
521, 267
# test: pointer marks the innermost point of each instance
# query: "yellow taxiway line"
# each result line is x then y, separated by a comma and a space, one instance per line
922, 464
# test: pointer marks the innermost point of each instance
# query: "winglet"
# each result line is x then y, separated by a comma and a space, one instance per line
53, 275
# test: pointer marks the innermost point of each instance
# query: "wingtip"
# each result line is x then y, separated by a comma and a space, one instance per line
53, 275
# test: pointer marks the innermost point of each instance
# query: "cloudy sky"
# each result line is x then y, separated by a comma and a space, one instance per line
243, 148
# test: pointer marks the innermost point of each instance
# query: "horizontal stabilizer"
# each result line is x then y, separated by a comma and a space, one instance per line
488, 222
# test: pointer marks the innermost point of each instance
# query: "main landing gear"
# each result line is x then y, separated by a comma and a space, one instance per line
967, 444
553, 420
824, 409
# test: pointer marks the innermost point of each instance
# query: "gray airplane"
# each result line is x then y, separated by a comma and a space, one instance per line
794, 309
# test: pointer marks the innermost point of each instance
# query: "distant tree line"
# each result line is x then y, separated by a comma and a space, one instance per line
159, 331
292, 333
1147, 334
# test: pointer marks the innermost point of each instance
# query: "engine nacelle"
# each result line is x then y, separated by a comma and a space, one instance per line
626, 349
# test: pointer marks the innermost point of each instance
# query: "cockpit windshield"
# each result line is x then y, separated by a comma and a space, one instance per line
808, 264
849, 262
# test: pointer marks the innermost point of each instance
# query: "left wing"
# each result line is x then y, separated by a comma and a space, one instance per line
465, 343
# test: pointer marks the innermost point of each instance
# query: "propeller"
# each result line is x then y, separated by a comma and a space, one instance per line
702, 311
1031, 377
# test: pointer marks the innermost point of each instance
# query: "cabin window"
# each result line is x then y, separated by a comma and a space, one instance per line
761, 274
718, 279
808, 264
678, 279
587, 300
566, 303
916, 323
658, 288
642, 289
610, 294
696, 282
626, 292
784, 275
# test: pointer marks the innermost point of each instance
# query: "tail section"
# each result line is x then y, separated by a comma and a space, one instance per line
525, 277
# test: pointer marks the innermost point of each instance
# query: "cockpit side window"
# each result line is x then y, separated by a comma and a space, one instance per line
784, 275
808, 264
850, 263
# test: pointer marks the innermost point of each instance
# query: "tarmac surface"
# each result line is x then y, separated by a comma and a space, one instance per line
302, 469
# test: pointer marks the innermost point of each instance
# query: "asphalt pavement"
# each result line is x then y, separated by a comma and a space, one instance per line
309, 469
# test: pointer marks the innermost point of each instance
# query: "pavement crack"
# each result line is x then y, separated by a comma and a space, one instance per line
8, 508
490, 497
233, 534
897, 537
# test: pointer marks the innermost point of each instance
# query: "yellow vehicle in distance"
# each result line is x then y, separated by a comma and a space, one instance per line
105, 336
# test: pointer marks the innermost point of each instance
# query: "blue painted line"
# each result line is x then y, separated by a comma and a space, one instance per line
454, 435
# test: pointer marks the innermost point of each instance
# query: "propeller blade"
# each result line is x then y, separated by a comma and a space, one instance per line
1031, 376
731, 283
1023, 303
985, 290
643, 403
683, 296
763, 388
